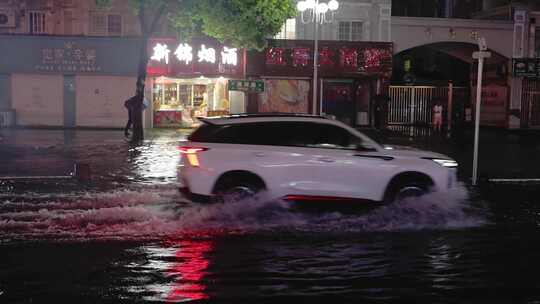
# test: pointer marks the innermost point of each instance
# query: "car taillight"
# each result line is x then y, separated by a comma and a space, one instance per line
191, 154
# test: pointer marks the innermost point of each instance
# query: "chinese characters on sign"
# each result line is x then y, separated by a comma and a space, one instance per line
207, 54
526, 67
274, 56
252, 86
184, 53
69, 58
161, 52
351, 58
229, 56
325, 57
348, 58
301, 57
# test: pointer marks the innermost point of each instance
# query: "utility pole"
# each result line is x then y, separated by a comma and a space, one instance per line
481, 55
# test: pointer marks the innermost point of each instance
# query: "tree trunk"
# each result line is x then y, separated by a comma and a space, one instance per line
138, 132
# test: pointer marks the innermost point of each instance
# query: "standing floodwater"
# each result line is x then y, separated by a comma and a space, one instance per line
128, 236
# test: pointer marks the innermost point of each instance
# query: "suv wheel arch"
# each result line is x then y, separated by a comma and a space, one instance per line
410, 179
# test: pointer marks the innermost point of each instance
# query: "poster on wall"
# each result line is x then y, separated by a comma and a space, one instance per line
494, 107
285, 96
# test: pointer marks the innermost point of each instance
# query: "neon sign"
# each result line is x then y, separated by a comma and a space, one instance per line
229, 56
207, 54
184, 52
161, 51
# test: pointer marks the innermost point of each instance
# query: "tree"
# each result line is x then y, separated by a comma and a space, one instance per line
241, 23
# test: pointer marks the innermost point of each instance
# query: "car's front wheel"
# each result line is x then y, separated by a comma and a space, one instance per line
407, 188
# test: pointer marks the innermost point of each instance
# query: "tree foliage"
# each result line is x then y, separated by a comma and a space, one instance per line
242, 23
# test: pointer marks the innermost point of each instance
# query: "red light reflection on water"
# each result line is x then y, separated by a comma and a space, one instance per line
190, 269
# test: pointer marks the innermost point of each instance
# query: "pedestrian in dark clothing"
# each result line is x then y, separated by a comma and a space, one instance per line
130, 105
380, 104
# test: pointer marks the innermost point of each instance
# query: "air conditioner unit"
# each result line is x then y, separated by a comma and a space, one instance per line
7, 18
7, 118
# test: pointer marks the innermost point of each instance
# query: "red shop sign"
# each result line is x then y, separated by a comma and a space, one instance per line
295, 58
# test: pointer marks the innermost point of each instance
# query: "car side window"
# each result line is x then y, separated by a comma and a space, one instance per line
236, 134
287, 134
334, 137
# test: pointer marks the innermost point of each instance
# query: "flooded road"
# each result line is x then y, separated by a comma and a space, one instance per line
128, 236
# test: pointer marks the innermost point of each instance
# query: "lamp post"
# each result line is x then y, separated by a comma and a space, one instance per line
313, 11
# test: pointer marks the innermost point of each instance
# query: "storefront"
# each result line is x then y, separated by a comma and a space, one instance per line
350, 75
66, 81
187, 80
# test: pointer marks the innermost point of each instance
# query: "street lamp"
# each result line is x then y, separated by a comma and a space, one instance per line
317, 13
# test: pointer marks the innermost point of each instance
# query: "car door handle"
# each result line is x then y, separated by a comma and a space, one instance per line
383, 157
325, 159
259, 154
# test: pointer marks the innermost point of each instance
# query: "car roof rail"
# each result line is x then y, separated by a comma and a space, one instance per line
255, 115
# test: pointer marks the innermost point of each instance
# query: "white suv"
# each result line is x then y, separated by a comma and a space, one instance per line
303, 158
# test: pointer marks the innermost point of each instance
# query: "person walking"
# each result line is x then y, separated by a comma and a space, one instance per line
130, 105
437, 116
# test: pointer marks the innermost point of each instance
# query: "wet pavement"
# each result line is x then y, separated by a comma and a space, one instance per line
128, 237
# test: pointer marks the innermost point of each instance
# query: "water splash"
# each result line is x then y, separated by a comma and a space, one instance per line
449, 210
155, 212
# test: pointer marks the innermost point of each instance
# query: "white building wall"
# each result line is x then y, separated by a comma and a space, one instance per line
411, 32
74, 14
374, 14
38, 99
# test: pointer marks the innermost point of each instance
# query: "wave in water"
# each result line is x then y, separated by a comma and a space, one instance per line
155, 212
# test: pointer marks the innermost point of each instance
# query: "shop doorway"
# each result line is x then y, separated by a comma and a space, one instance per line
70, 112
177, 102
338, 100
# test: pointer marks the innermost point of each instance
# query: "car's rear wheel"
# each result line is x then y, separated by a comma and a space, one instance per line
232, 190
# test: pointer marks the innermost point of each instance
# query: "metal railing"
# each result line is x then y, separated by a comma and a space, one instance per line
530, 103
411, 105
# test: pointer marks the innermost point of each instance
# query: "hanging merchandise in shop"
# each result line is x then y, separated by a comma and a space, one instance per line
168, 57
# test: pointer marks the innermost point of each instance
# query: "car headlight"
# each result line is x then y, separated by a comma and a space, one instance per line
448, 163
